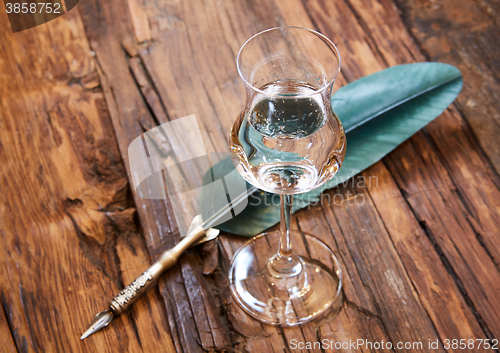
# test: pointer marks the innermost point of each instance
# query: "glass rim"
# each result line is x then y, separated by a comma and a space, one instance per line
327, 40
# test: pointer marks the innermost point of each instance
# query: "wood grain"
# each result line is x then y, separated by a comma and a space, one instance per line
418, 243
465, 36
67, 221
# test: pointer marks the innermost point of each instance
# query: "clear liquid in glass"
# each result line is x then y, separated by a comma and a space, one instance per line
279, 142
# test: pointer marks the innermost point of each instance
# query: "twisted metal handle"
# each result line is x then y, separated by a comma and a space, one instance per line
130, 293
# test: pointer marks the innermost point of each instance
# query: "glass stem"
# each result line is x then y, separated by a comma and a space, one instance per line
286, 214
284, 263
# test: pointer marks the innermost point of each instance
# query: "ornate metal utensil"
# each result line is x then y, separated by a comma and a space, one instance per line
141, 284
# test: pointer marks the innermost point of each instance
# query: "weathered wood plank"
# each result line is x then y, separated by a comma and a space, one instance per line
66, 220
453, 164
465, 33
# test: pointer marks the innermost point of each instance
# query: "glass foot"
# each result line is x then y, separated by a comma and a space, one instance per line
311, 290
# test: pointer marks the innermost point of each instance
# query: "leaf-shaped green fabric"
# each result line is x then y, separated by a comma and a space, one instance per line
378, 112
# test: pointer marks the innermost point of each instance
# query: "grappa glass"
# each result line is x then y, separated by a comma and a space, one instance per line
287, 141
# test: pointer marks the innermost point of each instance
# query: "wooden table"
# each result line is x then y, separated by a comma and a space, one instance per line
419, 248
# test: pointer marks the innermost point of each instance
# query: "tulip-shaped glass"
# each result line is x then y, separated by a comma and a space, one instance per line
287, 141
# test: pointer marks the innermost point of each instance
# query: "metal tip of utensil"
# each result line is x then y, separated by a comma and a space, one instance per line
101, 321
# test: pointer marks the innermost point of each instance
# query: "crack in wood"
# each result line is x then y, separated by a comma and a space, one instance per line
318, 339
360, 309
404, 20
170, 312
218, 288
283, 336
309, 15
366, 313
308, 251
195, 292
372, 43
33, 336
456, 279
90, 247
477, 234
181, 299
461, 197
481, 242
148, 90
131, 316
449, 268
475, 142
368, 289
10, 325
